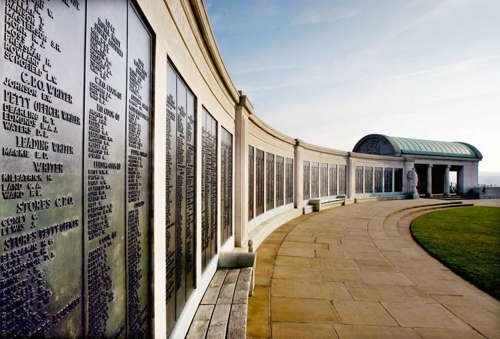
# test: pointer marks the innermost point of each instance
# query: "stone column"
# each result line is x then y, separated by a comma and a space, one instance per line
298, 179
241, 176
461, 181
446, 190
429, 180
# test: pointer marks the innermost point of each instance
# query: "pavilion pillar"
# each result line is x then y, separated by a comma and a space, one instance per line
447, 181
429, 181
460, 181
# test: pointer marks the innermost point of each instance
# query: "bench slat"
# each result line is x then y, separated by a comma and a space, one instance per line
213, 290
218, 324
237, 322
232, 276
242, 286
199, 326
223, 310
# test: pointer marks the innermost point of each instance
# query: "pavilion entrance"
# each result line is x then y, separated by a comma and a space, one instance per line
439, 180
421, 170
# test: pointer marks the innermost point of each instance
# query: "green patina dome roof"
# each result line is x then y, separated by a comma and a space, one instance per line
431, 147
387, 145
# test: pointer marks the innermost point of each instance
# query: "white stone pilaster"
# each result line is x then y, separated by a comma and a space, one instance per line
350, 178
241, 177
298, 178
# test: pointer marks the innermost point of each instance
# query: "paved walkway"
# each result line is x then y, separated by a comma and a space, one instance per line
355, 272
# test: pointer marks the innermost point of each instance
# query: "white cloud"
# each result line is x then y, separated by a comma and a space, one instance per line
437, 11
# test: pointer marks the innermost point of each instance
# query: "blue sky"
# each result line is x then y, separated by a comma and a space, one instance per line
330, 72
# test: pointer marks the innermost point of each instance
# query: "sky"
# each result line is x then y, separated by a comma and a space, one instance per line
330, 72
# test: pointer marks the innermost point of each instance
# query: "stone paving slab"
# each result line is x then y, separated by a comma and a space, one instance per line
302, 331
374, 332
363, 313
446, 333
302, 310
355, 272
420, 314
259, 321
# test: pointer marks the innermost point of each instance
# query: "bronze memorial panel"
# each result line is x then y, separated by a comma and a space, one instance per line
368, 179
388, 179
138, 175
289, 180
379, 179
280, 176
342, 179
359, 179
251, 179
104, 168
314, 180
269, 181
75, 163
41, 204
259, 182
332, 185
323, 179
180, 194
170, 179
307, 180
226, 172
208, 189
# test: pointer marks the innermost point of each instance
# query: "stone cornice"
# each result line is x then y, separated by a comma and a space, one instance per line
210, 44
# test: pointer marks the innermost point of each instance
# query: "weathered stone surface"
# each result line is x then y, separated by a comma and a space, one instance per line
242, 286
419, 314
363, 313
218, 323
259, 321
293, 272
447, 333
237, 322
374, 332
303, 330
223, 315
302, 310
295, 288
385, 278
213, 290
367, 279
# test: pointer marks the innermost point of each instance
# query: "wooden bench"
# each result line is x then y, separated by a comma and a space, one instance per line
222, 312
359, 200
321, 203
307, 209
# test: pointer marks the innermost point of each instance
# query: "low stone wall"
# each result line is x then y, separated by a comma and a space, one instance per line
486, 192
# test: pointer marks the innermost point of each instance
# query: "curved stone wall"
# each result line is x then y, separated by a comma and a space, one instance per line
219, 176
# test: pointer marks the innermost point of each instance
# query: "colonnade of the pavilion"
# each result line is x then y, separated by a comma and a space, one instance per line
435, 179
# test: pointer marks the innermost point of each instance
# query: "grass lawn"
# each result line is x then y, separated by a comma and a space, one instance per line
467, 240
